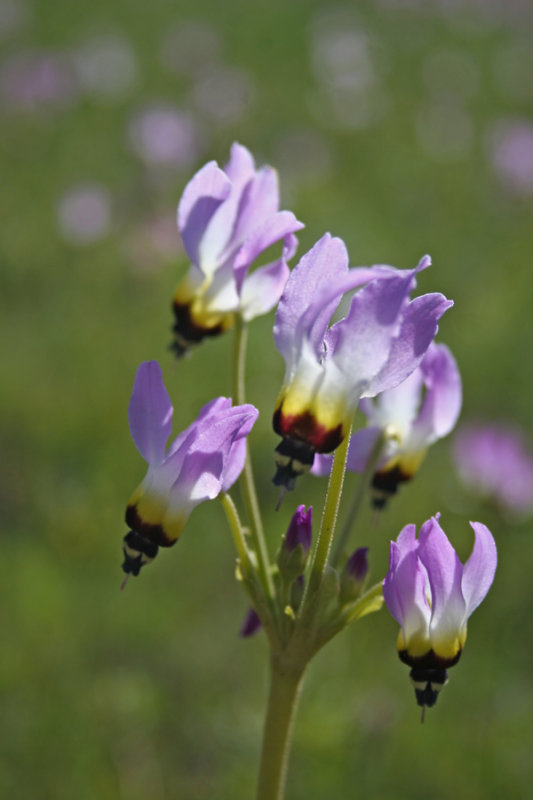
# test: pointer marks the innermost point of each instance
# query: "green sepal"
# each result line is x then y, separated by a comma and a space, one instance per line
351, 589
291, 563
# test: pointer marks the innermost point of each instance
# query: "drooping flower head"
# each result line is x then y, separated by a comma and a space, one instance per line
493, 461
205, 459
411, 417
377, 345
431, 595
227, 218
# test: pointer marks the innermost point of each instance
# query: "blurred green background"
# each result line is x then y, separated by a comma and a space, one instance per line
405, 128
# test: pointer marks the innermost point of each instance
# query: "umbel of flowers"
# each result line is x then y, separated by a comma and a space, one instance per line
382, 348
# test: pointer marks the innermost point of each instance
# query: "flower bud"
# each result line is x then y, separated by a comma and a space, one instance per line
251, 624
294, 550
354, 575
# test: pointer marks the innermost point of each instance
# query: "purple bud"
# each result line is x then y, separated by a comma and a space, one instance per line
357, 565
354, 575
300, 530
295, 546
251, 623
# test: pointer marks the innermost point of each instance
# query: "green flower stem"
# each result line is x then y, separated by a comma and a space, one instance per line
247, 573
237, 532
329, 520
285, 685
357, 498
247, 478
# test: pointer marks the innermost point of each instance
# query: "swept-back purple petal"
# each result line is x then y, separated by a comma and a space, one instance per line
478, 572
210, 410
150, 412
290, 246
400, 405
322, 463
202, 475
418, 328
234, 463
442, 403
201, 198
407, 540
237, 453
445, 573
269, 232
259, 201
262, 289
315, 320
218, 434
240, 167
404, 592
366, 334
316, 272
361, 446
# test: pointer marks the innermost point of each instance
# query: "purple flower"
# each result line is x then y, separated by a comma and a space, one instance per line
204, 460
227, 218
510, 149
413, 415
376, 346
163, 136
84, 214
492, 461
32, 81
431, 595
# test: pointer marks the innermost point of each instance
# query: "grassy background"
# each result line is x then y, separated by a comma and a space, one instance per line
150, 693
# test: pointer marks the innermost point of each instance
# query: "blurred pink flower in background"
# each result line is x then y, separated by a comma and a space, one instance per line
165, 136
347, 64
32, 80
84, 214
492, 460
510, 149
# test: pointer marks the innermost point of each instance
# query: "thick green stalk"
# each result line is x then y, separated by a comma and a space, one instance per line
285, 685
357, 498
329, 519
247, 478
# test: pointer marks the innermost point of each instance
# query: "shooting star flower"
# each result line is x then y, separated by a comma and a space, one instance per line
227, 218
431, 595
374, 347
205, 459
